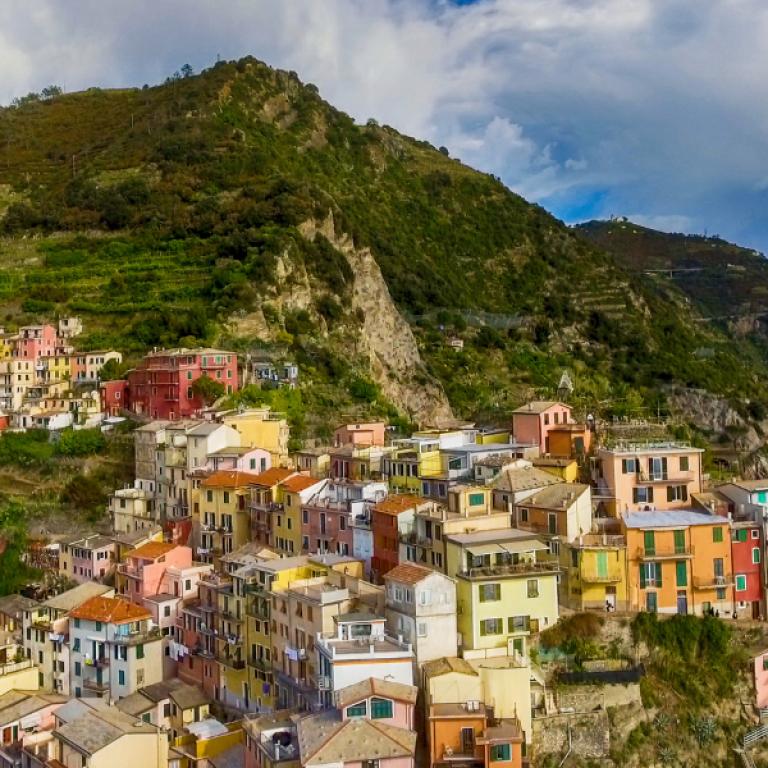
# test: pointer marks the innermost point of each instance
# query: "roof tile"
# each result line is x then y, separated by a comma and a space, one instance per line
110, 610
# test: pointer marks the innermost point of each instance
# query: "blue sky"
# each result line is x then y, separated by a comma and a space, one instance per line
652, 109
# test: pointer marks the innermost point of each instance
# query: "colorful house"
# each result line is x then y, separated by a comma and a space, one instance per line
88, 558
747, 551
288, 526
648, 476
559, 513
531, 422
679, 561
572, 441
266, 501
504, 593
594, 575
369, 433
390, 519
261, 428
161, 386
761, 680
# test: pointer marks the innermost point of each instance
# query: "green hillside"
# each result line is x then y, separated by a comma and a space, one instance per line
162, 215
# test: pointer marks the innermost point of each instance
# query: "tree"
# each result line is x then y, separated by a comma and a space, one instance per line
51, 92
187, 71
112, 370
208, 390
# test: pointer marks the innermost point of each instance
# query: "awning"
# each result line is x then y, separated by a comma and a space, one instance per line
512, 547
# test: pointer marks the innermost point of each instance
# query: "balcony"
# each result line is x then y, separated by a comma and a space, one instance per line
230, 661
129, 571
301, 684
134, 638
665, 553
713, 581
295, 654
598, 541
590, 577
649, 478
262, 664
100, 663
15, 666
92, 684
511, 569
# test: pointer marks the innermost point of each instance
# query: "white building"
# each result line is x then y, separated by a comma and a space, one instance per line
421, 608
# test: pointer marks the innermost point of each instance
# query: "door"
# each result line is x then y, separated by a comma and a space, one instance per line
610, 598
756, 610
468, 741
682, 602
651, 603
602, 565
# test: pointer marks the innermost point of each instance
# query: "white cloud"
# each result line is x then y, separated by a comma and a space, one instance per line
658, 105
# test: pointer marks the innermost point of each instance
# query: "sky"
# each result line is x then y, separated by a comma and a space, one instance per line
652, 109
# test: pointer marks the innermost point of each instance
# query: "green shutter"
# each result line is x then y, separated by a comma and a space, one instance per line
679, 542
602, 564
649, 541
717, 535
743, 534
658, 574
681, 573
670, 493
642, 576
762, 497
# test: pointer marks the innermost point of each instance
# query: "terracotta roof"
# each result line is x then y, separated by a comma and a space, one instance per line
394, 505
152, 550
229, 479
408, 573
110, 610
448, 664
299, 483
272, 476
373, 686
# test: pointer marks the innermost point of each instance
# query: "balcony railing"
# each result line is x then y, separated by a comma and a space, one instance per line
143, 636
98, 663
230, 661
665, 553
714, 581
94, 684
601, 578
516, 569
664, 477
15, 666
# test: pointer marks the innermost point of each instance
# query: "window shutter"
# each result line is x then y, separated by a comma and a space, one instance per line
670, 493
658, 574
624, 466
642, 576
650, 495
634, 495
685, 493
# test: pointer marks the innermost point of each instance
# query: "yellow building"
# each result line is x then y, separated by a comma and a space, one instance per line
293, 492
412, 459
260, 428
223, 514
594, 574
566, 469
504, 594
203, 741
266, 502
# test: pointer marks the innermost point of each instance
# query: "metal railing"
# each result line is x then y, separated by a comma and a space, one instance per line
664, 553
511, 569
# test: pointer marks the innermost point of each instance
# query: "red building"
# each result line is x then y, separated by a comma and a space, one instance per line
747, 552
113, 397
161, 387
390, 518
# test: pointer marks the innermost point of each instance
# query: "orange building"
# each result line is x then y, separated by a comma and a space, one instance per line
467, 734
678, 561
570, 440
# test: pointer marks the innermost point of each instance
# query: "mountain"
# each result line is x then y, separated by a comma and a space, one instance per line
237, 207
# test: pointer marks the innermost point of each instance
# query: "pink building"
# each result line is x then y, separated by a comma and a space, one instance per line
240, 459
35, 341
326, 525
761, 680
87, 559
531, 422
370, 433
145, 570
388, 702
161, 387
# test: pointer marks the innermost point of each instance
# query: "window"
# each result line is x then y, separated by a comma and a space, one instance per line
574, 558
642, 495
381, 709
77, 623
741, 535
720, 593
650, 575
342, 523
501, 752
765, 663
476, 499
518, 624
140, 651
755, 555
121, 677
209, 495
226, 497
305, 516
681, 573
490, 592
76, 644
370, 764
554, 547
649, 542
425, 597
677, 493
741, 583
717, 535
524, 515
98, 626
491, 627
533, 587
357, 710
77, 669
546, 418
679, 542
629, 466
755, 533
421, 629
651, 602
684, 464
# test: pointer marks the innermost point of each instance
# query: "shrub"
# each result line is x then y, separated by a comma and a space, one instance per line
80, 442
